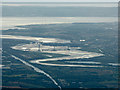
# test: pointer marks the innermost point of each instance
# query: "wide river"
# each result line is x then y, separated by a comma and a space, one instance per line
11, 22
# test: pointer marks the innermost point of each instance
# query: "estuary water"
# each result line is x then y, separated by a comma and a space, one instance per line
11, 22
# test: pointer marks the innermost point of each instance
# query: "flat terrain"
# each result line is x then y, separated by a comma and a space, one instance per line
91, 44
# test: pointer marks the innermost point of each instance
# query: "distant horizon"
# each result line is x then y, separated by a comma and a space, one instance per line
61, 1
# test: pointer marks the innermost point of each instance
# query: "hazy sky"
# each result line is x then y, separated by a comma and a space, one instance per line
59, 0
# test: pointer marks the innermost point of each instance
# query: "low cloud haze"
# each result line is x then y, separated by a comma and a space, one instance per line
60, 1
